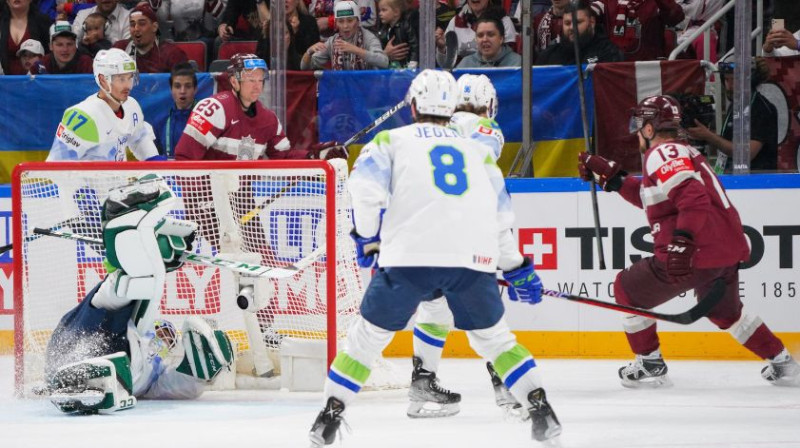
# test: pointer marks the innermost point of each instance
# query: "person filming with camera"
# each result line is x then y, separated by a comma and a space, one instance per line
763, 123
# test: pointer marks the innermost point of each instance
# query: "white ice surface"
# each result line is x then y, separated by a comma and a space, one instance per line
713, 404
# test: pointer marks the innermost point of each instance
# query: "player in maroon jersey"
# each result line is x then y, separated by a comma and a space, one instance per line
698, 237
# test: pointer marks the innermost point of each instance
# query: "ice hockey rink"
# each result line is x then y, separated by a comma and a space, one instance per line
712, 404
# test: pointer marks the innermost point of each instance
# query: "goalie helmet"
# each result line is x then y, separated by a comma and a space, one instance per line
662, 111
477, 91
113, 62
243, 62
434, 92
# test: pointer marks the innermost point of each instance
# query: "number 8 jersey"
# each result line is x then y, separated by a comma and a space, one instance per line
445, 199
91, 131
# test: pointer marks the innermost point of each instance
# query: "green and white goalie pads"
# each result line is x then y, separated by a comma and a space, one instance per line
96, 385
207, 351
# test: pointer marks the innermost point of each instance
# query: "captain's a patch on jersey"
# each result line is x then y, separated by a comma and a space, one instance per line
672, 167
199, 122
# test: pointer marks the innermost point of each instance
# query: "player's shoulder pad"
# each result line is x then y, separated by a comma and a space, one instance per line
382, 138
668, 159
208, 113
78, 126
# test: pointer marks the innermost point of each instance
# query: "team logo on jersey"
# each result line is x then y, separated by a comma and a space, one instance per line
247, 148
541, 244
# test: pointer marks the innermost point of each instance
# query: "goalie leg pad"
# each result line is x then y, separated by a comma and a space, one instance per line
207, 351
97, 385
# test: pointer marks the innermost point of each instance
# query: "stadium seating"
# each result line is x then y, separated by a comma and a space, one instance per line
230, 48
196, 51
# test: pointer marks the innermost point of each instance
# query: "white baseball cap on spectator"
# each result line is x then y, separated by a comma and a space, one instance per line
32, 46
346, 8
62, 28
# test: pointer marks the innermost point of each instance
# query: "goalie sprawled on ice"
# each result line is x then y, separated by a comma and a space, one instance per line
105, 353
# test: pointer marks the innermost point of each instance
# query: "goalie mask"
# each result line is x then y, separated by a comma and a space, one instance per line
165, 338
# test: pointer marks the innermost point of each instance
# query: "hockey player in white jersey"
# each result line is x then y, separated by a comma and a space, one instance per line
106, 352
474, 118
446, 206
104, 126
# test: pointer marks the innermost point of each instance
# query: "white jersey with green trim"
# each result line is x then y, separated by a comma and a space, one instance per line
445, 199
91, 131
482, 129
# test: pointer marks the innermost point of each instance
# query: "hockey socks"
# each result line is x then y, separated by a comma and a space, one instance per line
429, 343
346, 377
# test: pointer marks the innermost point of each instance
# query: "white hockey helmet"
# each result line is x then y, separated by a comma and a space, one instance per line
434, 92
113, 62
477, 91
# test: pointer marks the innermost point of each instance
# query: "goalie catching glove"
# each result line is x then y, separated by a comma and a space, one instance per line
97, 385
141, 243
524, 284
207, 351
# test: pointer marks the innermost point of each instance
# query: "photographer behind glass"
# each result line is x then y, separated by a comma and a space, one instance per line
763, 123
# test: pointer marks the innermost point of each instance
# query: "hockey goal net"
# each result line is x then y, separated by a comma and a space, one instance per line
272, 213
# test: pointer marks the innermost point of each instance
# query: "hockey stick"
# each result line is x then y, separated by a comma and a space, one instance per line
35, 236
702, 308
259, 208
253, 270
378, 121
581, 92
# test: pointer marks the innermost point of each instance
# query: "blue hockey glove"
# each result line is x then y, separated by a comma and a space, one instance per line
524, 284
366, 249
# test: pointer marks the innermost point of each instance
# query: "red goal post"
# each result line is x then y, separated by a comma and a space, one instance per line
265, 212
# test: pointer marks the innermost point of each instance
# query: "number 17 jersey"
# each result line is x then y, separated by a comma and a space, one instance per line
444, 196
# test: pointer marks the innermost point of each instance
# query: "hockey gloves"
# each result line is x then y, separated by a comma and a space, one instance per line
327, 150
366, 249
680, 254
608, 174
208, 351
524, 284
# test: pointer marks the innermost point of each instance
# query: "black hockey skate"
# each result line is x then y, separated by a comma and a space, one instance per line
323, 431
425, 390
782, 370
504, 399
646, 371
544, 422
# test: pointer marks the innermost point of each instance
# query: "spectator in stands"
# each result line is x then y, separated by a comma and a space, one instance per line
94, 35
293, 56
183, 86
322, 10
64, 57
151, 55
697, 12
763, 123
594, 47
445, 11
67, 10
637, 26
305, 32
18, 23
240, 20
492, 52
465, 24
781, 43
352, 48
186, 21
117, 16
547, 26
397, 33
30, 53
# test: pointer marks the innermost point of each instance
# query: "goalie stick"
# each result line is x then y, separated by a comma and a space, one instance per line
702, 308
249, 269
35, 236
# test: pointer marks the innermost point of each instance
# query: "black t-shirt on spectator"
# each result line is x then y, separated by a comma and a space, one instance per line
599, 49
763, 128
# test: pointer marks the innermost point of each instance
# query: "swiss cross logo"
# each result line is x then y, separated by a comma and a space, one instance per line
541, 245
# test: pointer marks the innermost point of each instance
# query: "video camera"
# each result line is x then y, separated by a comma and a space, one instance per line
696, 107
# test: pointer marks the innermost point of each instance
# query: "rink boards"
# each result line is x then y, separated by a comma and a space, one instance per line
554, 225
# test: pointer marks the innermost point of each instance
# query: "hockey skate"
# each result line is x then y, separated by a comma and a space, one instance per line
428, 398
323, 431
504, 399
544, 423
646, 371
782, 370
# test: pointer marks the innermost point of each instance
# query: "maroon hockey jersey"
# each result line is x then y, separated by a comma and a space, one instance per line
679, 190
218, 129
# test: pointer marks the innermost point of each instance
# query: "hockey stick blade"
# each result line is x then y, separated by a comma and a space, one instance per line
34, 237
702, 308
451, 50
252, 270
